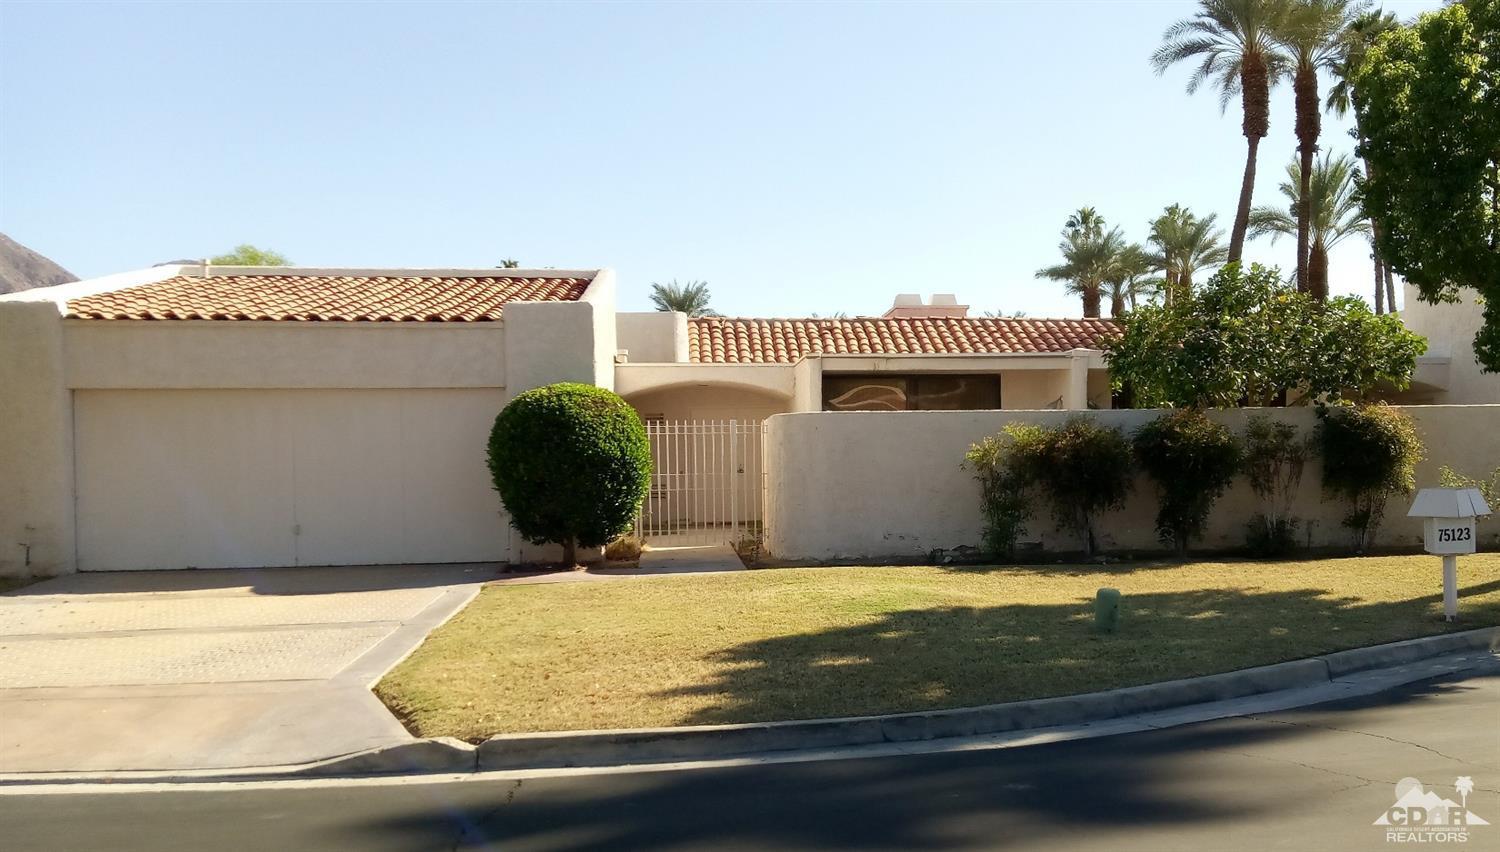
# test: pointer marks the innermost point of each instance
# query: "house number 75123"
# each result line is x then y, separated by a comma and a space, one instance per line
1455, 533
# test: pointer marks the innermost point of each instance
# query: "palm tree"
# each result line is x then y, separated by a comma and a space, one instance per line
1127, 281
1312, 33
1086, 220
1235, 41
509, 263
1185, 244
690, 298
1356, 41
1089, 258
1333, 207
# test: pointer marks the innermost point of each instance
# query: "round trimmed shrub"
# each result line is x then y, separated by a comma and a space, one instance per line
572, 464
1192, 460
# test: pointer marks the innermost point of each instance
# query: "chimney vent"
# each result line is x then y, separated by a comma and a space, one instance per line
911, 306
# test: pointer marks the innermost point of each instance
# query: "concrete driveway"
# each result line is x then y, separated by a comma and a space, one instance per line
211, 669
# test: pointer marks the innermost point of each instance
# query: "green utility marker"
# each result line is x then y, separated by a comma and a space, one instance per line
1107, 610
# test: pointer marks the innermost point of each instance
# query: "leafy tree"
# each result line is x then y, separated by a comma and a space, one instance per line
1369, 453
572, 464
1007, 465
1312, 33
1275, 458
1185, 244
1247, 338
1234, 42
1355, 43
1332, 212
1084, 470
1429, 107
1192, 460
690, 298
1489, 488
1091, 258
509, 263
1081, 468
248, 255
1353, 352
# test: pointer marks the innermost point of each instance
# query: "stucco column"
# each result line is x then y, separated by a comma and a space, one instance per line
1076, 394
36, 443
807, 384
549, 342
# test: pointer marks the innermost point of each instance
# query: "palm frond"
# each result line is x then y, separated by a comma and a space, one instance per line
690, 298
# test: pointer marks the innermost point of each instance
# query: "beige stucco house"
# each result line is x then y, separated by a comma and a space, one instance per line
195, 416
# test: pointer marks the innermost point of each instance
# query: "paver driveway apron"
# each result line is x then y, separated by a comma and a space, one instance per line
211, 669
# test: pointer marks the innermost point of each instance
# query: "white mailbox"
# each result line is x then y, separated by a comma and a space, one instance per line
1448, 517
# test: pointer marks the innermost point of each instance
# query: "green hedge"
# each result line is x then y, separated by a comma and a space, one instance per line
572, 464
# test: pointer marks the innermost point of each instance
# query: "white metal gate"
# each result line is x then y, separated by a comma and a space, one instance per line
708, 482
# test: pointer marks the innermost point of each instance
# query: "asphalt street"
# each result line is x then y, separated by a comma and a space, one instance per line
1314, 778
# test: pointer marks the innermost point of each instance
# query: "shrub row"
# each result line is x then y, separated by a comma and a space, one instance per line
1083, 469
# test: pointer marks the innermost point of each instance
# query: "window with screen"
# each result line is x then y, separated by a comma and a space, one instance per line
895, 392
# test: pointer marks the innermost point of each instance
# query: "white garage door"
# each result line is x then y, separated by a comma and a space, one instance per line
260, 478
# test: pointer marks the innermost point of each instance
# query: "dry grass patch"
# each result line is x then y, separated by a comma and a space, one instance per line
817, 642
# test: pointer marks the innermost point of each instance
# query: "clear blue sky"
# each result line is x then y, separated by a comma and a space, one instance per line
799, 157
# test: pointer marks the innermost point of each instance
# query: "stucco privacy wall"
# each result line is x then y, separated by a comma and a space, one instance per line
36, 416
36, 443
659, 337
872, 485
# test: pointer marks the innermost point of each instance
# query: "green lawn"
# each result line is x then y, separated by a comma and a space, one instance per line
816, 642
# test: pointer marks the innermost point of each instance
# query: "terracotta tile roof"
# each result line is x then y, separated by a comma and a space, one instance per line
723, 340
329, 298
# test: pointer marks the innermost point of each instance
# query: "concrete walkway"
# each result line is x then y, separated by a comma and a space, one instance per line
211, 669
690, 560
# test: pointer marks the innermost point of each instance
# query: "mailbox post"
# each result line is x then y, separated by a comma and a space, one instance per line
1448, 516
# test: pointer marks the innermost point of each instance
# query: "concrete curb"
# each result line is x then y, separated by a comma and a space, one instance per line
655, 745
559, 750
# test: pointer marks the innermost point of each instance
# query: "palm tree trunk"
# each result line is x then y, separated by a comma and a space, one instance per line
1305, 88
1255, 96
1091, 302
1317, 271
1382, 266
1242, 213
1379, 286
1116, 305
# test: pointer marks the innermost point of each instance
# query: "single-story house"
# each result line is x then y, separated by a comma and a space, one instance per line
197, 416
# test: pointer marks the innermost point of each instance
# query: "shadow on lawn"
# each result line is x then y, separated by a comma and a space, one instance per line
967, 656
